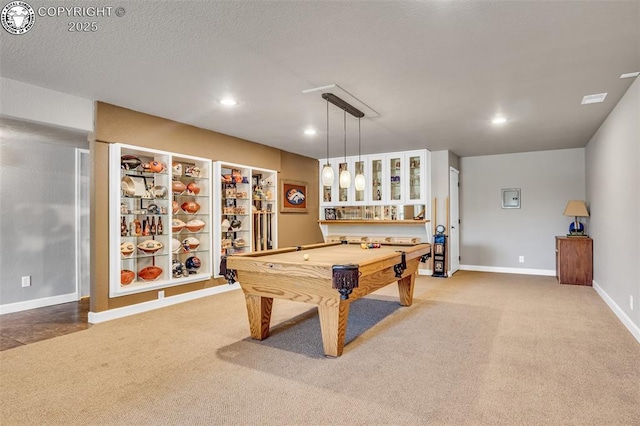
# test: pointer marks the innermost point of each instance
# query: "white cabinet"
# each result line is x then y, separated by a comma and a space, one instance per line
376, 187
332, 195
160, 219
360, 166
407, 182
329, 194
396, 169
246, 211
399, 178
415, 181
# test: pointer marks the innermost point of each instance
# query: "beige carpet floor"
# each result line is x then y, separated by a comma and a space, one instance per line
474, 349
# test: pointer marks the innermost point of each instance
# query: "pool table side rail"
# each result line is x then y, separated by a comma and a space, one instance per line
286, 250
317, 269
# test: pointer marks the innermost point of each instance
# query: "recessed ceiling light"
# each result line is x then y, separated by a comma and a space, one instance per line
499, 120
228, 101
630, 75
310, 132
594, 99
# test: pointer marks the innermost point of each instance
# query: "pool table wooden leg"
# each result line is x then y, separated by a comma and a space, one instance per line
333, 324
259, 312
405, 289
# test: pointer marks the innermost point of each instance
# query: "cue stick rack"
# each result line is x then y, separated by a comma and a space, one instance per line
262, 230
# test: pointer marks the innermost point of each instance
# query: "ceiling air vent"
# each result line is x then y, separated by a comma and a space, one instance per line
594, 99
630, 75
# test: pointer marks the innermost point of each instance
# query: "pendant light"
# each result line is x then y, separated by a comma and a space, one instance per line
359, 181
327, 170
345, 176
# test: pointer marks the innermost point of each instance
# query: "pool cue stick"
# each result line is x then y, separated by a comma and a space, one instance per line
263, 216
257, 220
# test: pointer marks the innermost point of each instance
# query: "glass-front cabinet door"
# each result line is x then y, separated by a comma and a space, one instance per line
359, 194
344, 194
395, 164
235, 209
375, 186
328, 195
416, 181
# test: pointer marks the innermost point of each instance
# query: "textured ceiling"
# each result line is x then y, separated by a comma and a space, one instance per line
435, 72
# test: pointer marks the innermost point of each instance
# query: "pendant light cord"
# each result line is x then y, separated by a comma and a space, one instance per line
345, 136
327, 131
359, 159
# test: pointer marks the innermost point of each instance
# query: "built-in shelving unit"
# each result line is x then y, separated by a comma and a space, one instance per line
394, 202
246, 211
160, 219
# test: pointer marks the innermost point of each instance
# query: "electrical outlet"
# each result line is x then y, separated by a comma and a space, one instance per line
161, 294
521, 259
26, 281
631, 301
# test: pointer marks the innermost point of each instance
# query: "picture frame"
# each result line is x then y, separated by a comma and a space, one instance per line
294, 196
511, 198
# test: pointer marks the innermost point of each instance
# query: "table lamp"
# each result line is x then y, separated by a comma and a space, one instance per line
576, 208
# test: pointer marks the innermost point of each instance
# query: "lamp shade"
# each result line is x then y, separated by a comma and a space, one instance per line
345, 179
576, 208
327, 175
359, 182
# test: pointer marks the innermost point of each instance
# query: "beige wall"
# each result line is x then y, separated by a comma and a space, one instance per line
293, 228
116, 124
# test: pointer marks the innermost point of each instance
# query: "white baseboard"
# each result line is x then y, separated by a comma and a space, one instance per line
622, 316
425, 272
523, 271
37, 303
98, 317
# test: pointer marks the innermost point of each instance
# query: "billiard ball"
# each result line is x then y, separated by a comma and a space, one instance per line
305, 257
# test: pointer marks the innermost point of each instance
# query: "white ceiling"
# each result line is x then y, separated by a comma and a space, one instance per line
435, 72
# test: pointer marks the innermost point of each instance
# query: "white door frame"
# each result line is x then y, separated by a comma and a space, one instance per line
454, 220
82, 155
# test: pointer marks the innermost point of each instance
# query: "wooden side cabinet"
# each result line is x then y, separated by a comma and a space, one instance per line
574, 260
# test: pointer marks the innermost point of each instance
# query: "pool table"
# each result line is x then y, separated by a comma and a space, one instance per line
330, 275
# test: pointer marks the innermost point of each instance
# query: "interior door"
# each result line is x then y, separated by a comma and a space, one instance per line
454, 220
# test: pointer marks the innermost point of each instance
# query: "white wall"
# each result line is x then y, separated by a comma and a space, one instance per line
440, 163
613, 192
439, 185
37, 104
41, 130
37, 186
493, 237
